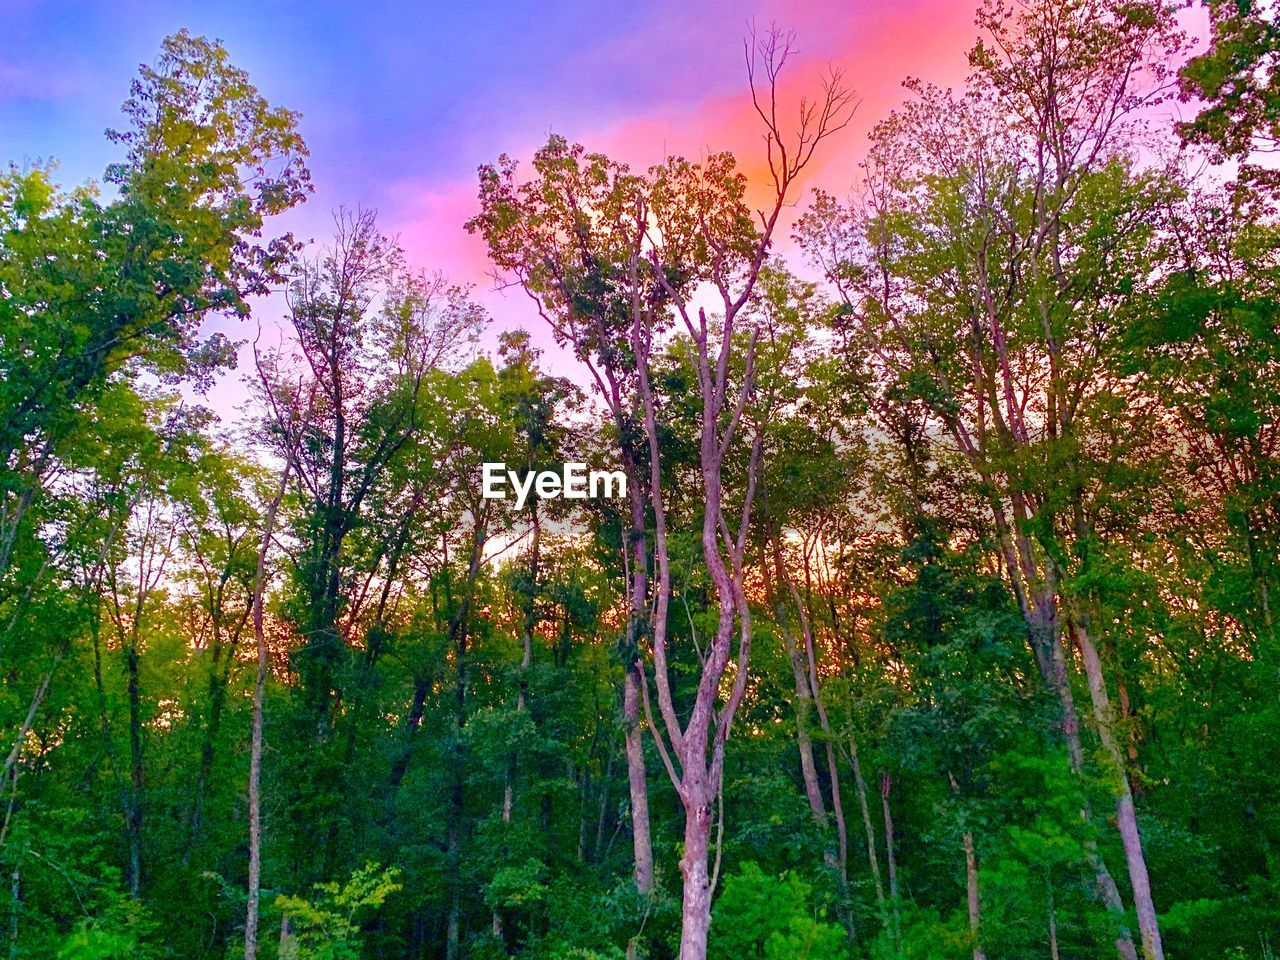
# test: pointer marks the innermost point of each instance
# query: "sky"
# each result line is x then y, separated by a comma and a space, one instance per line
402, 102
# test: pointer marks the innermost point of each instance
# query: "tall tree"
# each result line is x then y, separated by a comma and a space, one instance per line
94, 289
611, 266
367, 333
985, 213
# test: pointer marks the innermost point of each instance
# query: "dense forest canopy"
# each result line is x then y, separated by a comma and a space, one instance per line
938, 618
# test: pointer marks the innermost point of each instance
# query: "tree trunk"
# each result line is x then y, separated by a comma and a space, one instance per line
133, 826
970, 882
457, 796
642, 843
15, 889
459, 623
459, 633
289, 946
219, 676
400, 766
598, 846
1042, 627
453, 930
886, 786
255, 744
873, 858
695, 920
842, 836
207, 747
833, 769
804, 694
1126, 815
643, 846
804, 668
528, 623
1053, 925
803, 710
971, 887
37, 698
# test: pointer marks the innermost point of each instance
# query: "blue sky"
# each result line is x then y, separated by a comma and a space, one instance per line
389, 93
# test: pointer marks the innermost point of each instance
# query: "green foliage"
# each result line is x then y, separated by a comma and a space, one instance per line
327, 927
517, 887
1236, 79
92, 942
758, 915
118, 929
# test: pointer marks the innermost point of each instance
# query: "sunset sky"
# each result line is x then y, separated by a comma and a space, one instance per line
400, 104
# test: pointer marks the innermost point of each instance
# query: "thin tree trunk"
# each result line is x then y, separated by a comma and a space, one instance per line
971, 888
453, 929
1053, 923
833, 770
529, 621
842, 834
458, 625
886, 786
15, 889
598, 845
255, 743
27, 721
134, 818
804, 668
217, 697
873, 858
803, 710
1042, 627
288, 942
359, 720
637, 780
970, 882
457, 798
583, 780
1126, 815
804, 696
459, 632
133, 814
400, 766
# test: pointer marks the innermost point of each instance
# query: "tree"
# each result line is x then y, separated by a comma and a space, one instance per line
368, 332
885, 528
609, 266
97, 294
93, 289
255, 743
1004, 202
1237, 83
